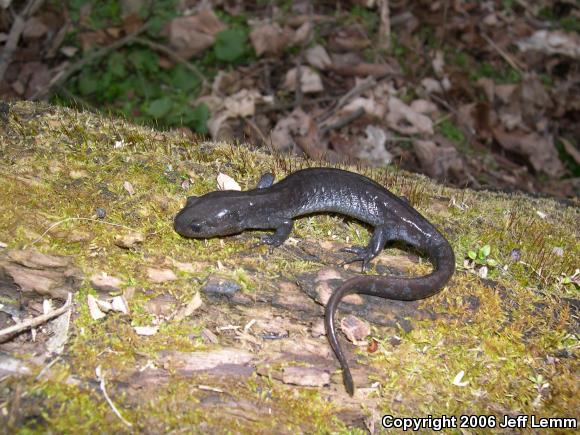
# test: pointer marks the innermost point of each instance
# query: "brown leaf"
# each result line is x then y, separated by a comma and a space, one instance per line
552, 42
354, 328
571, 150
363, 69
346, 39
292, 127
186, 311
128, 241
162, 305
94, 310
310, 82
441, 162
106, 283
34, 28
191, 35
270, 39
318, 57
160, 275
405, 120
538, 150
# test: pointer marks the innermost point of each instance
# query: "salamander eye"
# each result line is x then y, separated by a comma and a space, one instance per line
196, 228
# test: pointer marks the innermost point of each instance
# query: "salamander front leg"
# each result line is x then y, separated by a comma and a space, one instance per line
282, 233
366, 254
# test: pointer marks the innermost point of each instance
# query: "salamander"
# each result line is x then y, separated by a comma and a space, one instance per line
273, 206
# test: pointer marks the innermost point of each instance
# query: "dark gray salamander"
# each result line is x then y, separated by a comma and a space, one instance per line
314, 190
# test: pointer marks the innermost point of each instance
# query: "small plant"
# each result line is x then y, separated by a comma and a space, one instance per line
231, 45
481, 256
539, 382
569, 283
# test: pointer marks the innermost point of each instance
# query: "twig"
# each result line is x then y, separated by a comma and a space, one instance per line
176, 57
280, 107
256, 129
344, 121
36, 321
46, 367
503, 53
59, 79
101, 378
14, 36
79, 219
385, 27
353, 92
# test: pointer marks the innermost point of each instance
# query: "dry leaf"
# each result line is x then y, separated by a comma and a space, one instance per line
294, 131
129, 240
458, 379
310, 81
225, 182
106, 283
270, 39
571, 150
552, 42
405, 120
539, 150
94, 309
354, 328
441, 162
303, 34
372, 148
191, 306
434, 86
103, 305
129, 188
191, 35
119, 304
370, 105
318, 57
241, 104
146, 330
160, 275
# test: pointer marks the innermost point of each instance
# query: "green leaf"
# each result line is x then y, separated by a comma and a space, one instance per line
159, 108
200, 116
183, 79
486, 250
491, 262
472, 255
116, 65
230, 45
144, 60
88, 83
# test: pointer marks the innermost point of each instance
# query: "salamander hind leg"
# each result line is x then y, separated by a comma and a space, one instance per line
366, 254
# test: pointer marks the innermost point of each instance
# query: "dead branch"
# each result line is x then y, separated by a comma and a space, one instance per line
101, 379
177, 58
344, 121
36, 321
63, 76
14, 36
385, 27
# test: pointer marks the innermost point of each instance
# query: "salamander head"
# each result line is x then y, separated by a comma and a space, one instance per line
209, 215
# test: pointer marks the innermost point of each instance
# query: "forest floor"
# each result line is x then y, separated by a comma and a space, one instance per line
165, 334
474, 94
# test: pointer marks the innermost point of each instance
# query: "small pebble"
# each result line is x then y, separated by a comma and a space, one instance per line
101, 213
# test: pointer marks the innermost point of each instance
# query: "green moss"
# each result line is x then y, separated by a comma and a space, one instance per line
75, 167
